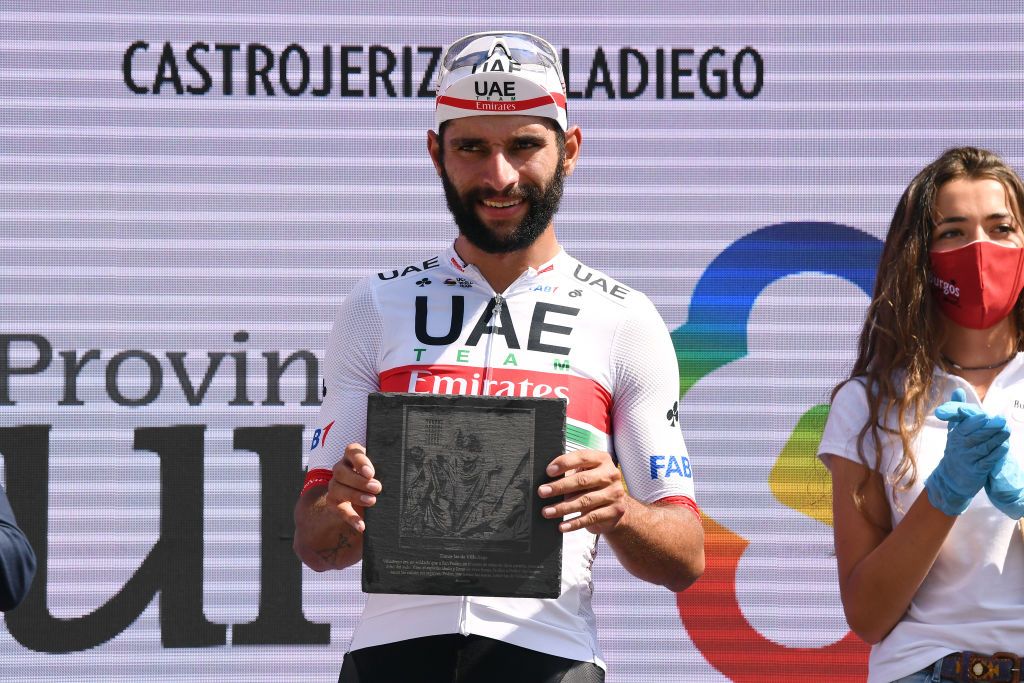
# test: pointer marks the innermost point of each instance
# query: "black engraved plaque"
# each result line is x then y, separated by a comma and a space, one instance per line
459, 512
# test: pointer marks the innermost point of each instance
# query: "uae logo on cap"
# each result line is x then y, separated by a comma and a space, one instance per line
498, 60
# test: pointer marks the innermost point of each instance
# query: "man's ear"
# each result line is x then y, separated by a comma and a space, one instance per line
573, 143
434, 150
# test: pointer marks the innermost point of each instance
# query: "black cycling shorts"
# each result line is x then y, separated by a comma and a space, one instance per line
454, 658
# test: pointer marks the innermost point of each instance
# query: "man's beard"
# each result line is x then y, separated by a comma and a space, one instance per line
542, 205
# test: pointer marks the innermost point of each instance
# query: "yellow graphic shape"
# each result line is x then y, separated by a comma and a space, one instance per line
799, 480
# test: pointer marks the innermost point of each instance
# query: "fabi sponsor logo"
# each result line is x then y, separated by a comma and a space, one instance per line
668, 466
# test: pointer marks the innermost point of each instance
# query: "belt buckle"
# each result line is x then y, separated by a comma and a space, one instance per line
1015, 664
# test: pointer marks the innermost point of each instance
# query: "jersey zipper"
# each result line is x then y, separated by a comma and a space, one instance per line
499, 303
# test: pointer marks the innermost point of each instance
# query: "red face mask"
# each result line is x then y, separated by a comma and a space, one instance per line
977, 285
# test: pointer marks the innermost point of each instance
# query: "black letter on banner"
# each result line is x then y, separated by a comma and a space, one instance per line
345, 69
426, 85
385, 74
294, 48
406, 71
241, 372
156, 378
679, 72
624, 55
737, 65
325, 68
203, 72
167, 61
659, 73
280, 620
722, 75
454, 330
126, 67
72, 368
275, 368
599, 64
173, 568
262, 72
227, 76
45, 355
193, 396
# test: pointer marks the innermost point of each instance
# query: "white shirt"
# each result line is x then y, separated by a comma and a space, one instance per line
973, 596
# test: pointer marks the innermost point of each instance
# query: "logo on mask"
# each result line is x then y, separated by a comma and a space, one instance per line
950, 290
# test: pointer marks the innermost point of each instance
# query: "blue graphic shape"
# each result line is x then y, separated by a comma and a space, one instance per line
715, 332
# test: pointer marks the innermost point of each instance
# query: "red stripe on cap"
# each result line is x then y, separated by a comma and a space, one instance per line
484, 105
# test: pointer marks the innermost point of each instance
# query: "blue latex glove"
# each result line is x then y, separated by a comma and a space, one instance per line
975, 445
1005, 487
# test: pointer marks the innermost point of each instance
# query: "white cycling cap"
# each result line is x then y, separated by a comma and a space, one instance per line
500, 73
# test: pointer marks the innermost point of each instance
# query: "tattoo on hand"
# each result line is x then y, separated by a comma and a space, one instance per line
330, 555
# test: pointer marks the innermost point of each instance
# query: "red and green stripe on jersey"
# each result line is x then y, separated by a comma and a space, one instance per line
588, 403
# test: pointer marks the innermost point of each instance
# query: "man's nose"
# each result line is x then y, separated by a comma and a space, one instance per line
499, 173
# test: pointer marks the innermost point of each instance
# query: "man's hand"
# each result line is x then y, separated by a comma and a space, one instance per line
352, 489
592, 486
329, 526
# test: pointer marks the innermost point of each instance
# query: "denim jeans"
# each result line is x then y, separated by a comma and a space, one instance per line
929, 674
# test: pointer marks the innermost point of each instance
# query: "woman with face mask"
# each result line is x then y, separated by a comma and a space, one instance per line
925, 440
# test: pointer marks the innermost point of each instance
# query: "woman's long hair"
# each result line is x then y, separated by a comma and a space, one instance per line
901, 339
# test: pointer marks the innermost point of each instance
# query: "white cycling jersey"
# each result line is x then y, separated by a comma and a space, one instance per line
561, 330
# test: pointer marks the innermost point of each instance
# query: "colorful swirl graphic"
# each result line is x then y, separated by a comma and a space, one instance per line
714, 335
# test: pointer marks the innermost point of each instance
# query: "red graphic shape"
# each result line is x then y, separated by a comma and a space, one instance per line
712, 616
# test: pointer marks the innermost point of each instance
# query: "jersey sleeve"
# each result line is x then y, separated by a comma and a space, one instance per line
350, 375
846, 417
646, 437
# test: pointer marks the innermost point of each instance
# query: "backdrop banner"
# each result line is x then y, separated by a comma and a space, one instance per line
191, 190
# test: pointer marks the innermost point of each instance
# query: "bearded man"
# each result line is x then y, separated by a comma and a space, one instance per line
506, 312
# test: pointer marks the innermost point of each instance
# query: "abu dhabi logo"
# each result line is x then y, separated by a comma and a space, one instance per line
732, 345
